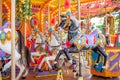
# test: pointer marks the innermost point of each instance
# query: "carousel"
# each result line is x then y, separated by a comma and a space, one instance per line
59, 39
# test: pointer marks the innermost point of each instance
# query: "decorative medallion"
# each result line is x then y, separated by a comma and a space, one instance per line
33, 21
8, 35
3, 36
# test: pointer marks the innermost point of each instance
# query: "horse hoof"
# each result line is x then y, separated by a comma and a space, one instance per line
55, 66
23, 78
56, 69
95, 66
77, 74
74, 70
0, 69
50, 70
102, 70
4, 74
39, 70
74, 62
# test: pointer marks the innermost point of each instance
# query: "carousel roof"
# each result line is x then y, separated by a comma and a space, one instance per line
88, 7
92, 7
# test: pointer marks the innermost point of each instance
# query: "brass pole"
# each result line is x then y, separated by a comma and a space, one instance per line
48, 15
59, 11
79, 10
1, 3
80, 64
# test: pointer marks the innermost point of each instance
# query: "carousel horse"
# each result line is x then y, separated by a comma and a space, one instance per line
22, 55
47, 50
78, 41
38, 44
52, 42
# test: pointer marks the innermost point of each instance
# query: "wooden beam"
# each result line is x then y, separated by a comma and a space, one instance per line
1, 3
13, 39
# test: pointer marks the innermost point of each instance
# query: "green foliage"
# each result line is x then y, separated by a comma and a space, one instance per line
23, 9
117, 17
101, 26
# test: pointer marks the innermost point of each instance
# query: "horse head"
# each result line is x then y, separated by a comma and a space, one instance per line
63, 23
71, 25
67, 24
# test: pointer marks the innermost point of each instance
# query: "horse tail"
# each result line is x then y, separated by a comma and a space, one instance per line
22, 46
20, 41
27, 56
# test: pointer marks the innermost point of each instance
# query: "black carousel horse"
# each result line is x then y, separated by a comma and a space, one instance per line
74, 37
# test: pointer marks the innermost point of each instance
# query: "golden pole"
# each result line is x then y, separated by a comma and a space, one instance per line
80, 65
105, 15
41, 28
48, 15
78, 9
25, 31
59, 11
13, 39
51, 17
88, 19
1, 2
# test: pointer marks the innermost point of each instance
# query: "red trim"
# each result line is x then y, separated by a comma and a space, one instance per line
86, 40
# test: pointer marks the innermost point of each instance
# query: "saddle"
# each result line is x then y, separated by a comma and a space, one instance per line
91, 38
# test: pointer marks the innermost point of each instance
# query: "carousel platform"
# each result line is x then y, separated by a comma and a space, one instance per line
67, 75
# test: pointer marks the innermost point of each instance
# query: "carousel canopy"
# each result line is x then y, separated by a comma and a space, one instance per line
88, 7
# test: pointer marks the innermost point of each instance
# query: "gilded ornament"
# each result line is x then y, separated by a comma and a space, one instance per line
8, 35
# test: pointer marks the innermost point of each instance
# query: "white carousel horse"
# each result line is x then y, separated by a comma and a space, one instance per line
39, 44
53, 42
47, 46
22, 56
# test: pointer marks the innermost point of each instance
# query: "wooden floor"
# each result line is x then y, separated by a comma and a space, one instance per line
68, 75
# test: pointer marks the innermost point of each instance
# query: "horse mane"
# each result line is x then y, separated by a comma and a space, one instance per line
75, 21
73, 28
5, 25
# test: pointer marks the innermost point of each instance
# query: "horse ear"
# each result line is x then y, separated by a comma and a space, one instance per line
63, 16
